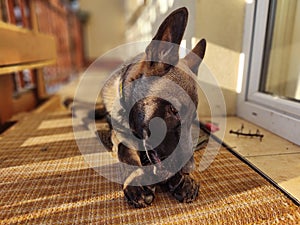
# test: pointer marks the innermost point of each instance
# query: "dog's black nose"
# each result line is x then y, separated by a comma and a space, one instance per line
148, 199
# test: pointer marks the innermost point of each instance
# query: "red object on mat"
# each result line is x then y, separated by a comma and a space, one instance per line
212, 127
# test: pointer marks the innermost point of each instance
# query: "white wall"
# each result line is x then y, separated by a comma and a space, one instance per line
221, 23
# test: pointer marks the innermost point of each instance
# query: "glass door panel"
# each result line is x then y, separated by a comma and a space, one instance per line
280, 75
270, 95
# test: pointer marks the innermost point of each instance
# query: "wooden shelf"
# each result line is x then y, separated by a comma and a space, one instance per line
20, 46
13, 68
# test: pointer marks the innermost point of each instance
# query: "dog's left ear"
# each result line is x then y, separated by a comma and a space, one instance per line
195, 57
161, 53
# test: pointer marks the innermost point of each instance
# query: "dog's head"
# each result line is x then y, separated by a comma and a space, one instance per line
161, 61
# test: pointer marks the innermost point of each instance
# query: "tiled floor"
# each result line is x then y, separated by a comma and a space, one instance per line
276, 157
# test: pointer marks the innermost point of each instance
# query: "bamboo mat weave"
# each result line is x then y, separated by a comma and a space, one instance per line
44, 180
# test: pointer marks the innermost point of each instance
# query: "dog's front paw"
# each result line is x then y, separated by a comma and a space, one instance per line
139, 196
184, 188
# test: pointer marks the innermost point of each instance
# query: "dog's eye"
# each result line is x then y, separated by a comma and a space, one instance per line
173, 110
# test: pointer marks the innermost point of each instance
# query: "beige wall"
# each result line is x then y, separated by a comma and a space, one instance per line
106, 26
221, 24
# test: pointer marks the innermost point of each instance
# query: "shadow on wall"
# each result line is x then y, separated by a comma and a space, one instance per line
219, 22
222, 24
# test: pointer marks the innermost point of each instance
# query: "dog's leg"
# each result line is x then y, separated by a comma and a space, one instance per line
183, 187
138, 196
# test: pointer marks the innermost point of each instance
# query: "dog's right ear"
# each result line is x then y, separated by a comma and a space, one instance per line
195, 57
160, 52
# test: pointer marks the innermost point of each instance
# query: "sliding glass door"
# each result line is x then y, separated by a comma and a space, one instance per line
271, 90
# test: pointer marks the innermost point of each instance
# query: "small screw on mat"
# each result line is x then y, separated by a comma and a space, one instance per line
43, 149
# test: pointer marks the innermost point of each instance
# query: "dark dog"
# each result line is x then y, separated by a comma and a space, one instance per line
159, 61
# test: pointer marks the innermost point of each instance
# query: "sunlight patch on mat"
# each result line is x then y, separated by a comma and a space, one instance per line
58, 123
49, 166
61, 208
57, 137
58, 165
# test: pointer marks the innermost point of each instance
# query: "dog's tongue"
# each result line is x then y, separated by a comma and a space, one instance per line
159, 169
155, 160
154, 157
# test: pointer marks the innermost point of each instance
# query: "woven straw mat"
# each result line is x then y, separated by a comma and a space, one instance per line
45, 180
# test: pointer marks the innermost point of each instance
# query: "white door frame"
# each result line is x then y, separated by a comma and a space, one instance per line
280, 116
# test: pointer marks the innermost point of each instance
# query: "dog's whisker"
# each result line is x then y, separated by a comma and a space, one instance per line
147, 151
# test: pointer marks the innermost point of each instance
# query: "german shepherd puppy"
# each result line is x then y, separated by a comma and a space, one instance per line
160, 61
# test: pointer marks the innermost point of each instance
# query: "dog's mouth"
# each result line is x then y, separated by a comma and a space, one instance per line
159, 168
153, 157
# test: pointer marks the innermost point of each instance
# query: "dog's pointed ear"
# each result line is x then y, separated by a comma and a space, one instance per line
195, 57
171, 30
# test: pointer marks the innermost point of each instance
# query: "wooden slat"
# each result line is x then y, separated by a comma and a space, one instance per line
39, 76
20, 46
12, 68
40, 84
10, 11
25, 102
22, 6
6, 92
20, 75
1, 6
33, 17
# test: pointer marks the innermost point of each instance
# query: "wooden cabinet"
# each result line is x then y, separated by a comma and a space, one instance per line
38, 39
